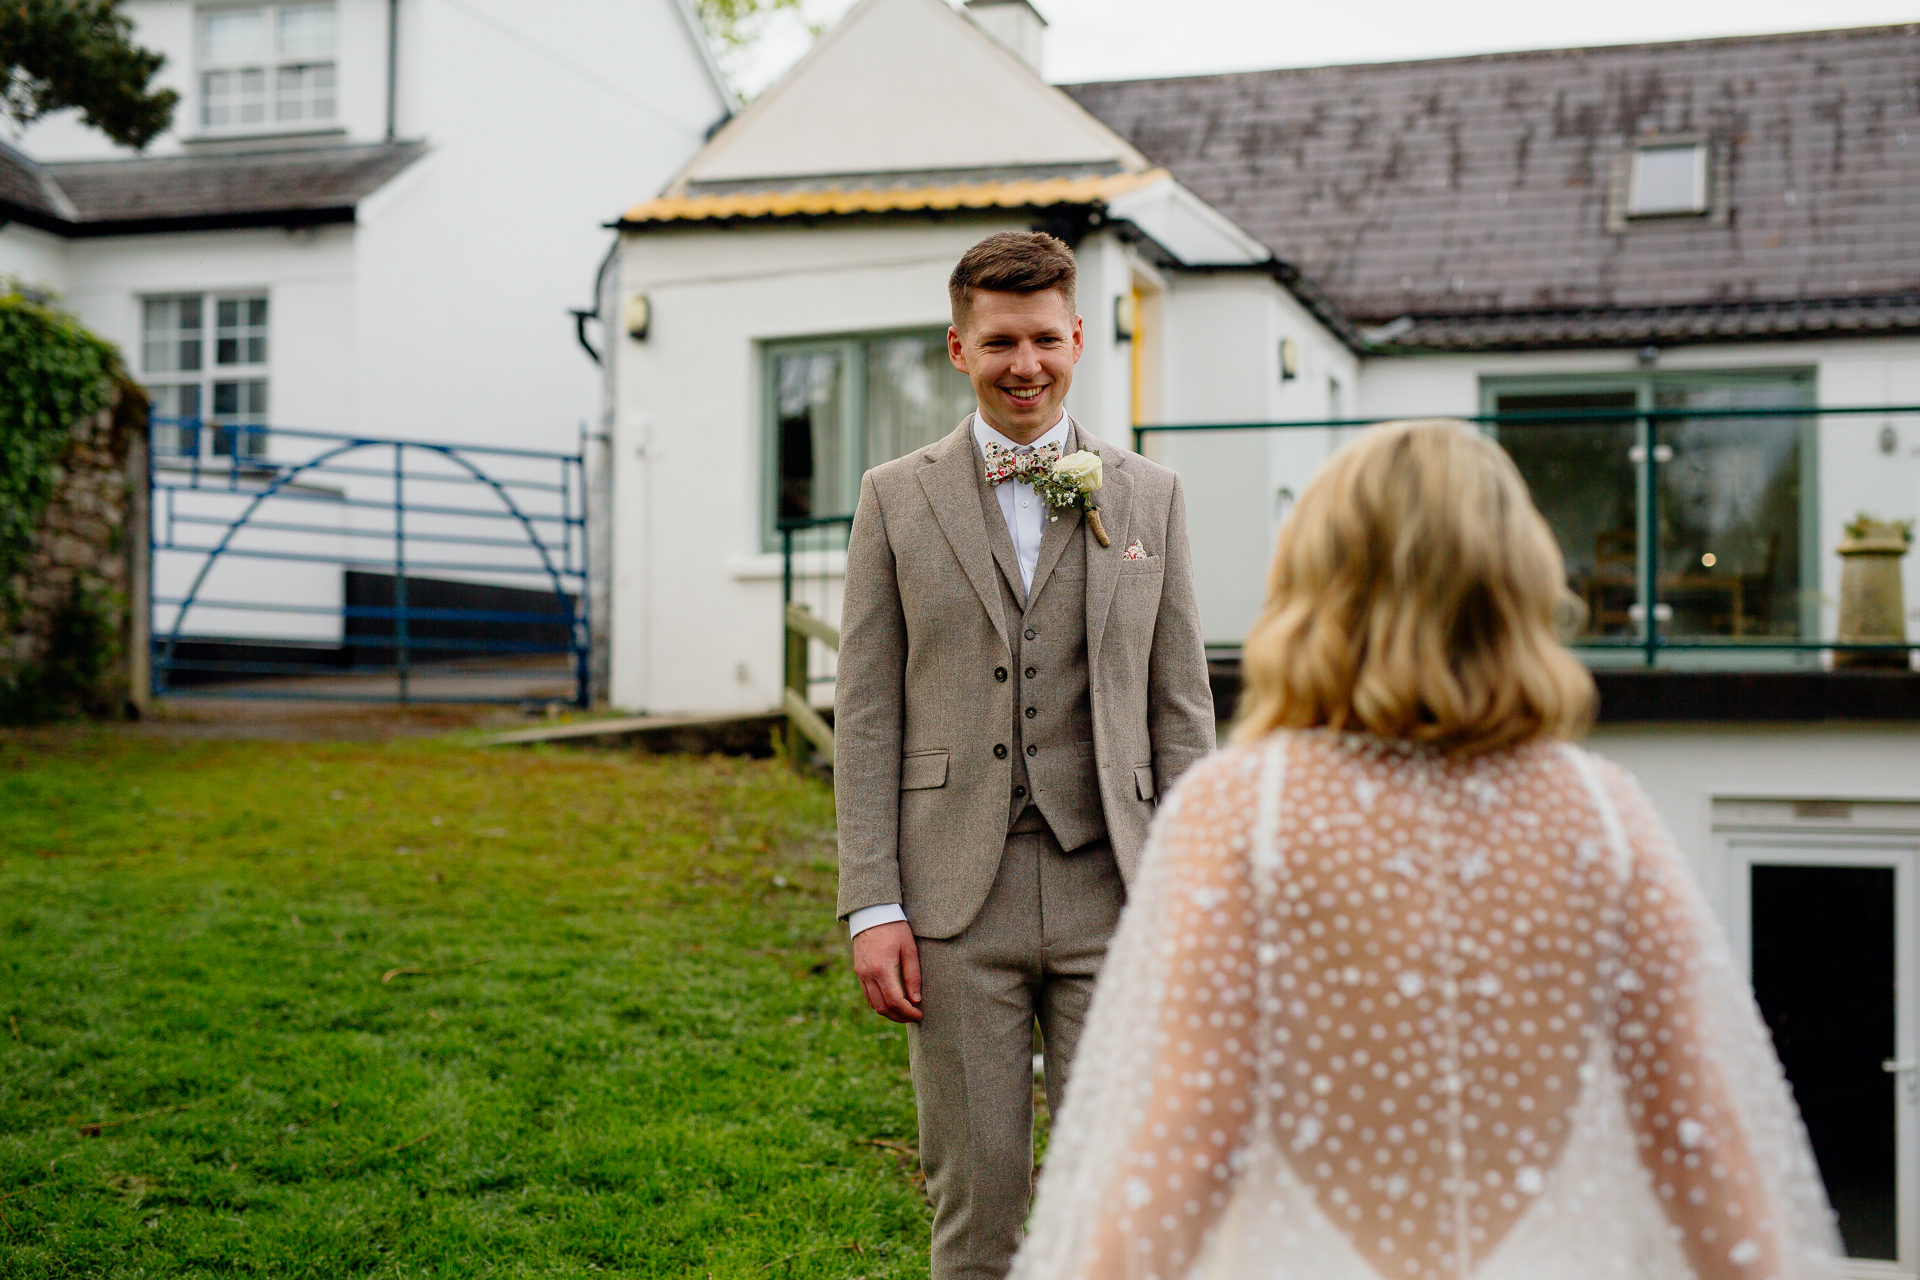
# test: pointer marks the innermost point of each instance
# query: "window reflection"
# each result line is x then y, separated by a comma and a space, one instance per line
1730, 503
1730, 514
844, 405
811, 435
1582, 475
914, 396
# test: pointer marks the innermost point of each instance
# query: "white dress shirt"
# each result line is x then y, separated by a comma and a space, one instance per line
1026, 516
1026, 513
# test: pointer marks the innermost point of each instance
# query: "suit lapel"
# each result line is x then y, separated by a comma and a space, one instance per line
952, 485
1115, 500
1004, 552
1059, 534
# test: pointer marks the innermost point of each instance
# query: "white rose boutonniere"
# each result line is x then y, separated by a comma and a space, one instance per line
1069, 485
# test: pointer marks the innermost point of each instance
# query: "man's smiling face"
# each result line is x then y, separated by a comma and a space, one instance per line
1019, 349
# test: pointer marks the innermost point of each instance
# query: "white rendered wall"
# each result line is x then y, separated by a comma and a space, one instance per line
1685, 768
1852, 472
1102, 396
1218, 360
696, 602
879, 93
542, 124
168, 27
443, 315
34, 258
308, 277
695, 613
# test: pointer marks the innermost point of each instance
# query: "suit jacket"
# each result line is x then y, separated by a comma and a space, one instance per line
918, 705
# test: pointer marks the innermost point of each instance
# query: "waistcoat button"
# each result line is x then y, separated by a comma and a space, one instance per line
1032, 712
1019, 793
1033, 751
1031, 673
999, 751
1000, 674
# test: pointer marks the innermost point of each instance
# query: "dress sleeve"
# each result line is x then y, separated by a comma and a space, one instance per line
1176, 1175
1715, 1126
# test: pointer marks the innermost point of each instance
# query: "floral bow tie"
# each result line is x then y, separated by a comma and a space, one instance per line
1007, 464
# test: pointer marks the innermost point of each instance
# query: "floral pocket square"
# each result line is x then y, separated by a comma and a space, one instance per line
1135, 551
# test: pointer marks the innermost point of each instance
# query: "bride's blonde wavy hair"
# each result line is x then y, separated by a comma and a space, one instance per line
1416, 594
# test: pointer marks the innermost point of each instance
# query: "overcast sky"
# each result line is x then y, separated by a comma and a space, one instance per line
1131, 39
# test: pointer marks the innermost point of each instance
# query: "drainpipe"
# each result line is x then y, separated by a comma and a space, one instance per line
393, 67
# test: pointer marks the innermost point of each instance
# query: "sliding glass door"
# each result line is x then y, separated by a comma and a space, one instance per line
1713, 516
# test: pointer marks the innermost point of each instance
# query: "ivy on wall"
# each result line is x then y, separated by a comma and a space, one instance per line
53, 373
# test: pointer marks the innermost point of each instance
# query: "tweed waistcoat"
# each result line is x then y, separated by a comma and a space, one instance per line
1052, 731
925, 698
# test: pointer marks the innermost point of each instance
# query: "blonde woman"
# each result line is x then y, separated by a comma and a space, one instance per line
1410, 988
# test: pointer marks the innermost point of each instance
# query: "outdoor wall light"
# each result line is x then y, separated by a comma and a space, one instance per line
639, 317
1289, 360
1126, 317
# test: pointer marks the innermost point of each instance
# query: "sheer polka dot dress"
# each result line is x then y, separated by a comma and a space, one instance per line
1375, 1013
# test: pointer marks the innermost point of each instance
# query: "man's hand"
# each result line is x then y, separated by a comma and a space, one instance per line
887, 962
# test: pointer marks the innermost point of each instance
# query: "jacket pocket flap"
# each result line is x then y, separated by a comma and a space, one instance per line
1143, 781
923, 769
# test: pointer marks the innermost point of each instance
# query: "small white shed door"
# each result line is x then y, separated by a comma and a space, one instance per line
1825, 927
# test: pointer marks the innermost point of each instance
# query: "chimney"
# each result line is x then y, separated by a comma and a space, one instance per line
1015, 24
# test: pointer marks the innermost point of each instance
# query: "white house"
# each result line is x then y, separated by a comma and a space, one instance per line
1677, 234
793, 279
369, 217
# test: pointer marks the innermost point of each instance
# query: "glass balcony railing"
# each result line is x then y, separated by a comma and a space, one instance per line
1687, 508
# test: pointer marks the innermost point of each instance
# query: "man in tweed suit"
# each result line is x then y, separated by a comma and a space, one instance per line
1017, 686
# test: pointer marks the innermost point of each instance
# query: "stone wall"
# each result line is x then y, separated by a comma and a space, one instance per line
78, 637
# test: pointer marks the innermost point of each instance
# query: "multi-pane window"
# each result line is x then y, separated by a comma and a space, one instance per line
203, 358
266, 66
1730, 554
836, 407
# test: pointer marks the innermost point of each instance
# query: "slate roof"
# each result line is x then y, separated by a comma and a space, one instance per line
1471, 194
25, 188
292, 187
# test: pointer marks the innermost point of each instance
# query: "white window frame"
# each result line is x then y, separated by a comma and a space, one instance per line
1697, 205
851, 349
1875, 834
250, 369
270, 63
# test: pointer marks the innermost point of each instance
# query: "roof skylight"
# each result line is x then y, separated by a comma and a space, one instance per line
1668, 180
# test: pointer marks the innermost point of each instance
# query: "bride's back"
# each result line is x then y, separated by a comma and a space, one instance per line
1440, 946
1407, 987
1428, 947
1384, 1014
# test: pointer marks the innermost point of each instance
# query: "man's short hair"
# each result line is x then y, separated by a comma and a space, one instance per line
1012, 262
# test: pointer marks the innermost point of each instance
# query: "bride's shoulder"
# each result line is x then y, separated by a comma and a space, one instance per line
1232, 774
1234, 764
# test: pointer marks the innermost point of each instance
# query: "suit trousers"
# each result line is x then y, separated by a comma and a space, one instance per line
1031, 953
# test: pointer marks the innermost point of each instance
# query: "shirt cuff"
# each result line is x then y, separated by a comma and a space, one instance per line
858, 922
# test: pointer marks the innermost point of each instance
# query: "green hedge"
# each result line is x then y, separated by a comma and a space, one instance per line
53, 373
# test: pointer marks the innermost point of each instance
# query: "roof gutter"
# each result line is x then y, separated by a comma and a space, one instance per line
26, 217
284, 219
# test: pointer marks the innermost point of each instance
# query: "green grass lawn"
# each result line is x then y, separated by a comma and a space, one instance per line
299, 1010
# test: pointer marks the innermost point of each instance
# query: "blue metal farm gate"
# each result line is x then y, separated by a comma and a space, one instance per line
292, 563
